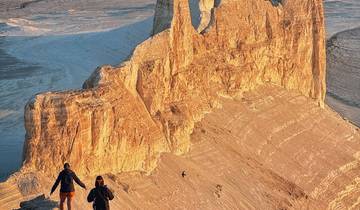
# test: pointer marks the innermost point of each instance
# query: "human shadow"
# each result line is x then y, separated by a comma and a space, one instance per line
39, 203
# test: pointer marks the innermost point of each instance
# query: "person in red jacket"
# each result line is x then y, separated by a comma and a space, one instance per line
67, 190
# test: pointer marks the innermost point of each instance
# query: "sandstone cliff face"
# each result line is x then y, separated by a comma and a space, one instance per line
126, 116
268, 149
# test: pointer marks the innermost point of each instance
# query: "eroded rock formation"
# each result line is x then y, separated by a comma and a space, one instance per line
268, 149
206, 8
126, 116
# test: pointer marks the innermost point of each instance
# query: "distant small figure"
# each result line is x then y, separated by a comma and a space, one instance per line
67, 190
183, 174
100, 195
218, 190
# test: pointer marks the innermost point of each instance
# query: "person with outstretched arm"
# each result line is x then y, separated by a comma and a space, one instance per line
67, 190
100, 195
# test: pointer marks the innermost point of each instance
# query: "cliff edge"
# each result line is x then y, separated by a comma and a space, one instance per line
126, 116
153, 107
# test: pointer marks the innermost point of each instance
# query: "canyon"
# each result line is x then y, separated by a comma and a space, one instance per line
237, 103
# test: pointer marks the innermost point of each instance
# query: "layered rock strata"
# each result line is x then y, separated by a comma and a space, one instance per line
268, 149
126, 116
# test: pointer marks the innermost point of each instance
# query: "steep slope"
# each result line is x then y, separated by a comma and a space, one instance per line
267, 149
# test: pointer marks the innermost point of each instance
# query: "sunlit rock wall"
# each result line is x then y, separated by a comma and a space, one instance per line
126, 116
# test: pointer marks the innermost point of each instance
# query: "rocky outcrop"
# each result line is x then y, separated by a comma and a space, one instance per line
268, 149
126, 116
39, 203
207, 9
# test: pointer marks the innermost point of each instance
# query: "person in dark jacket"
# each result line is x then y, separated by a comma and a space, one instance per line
100, 195
276, 2
67, 191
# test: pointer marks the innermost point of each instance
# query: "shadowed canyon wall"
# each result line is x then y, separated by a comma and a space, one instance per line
126, 116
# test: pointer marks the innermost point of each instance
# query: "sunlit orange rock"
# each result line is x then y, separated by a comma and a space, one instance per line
125, 117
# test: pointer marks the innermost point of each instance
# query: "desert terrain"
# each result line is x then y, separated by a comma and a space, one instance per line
228, 112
